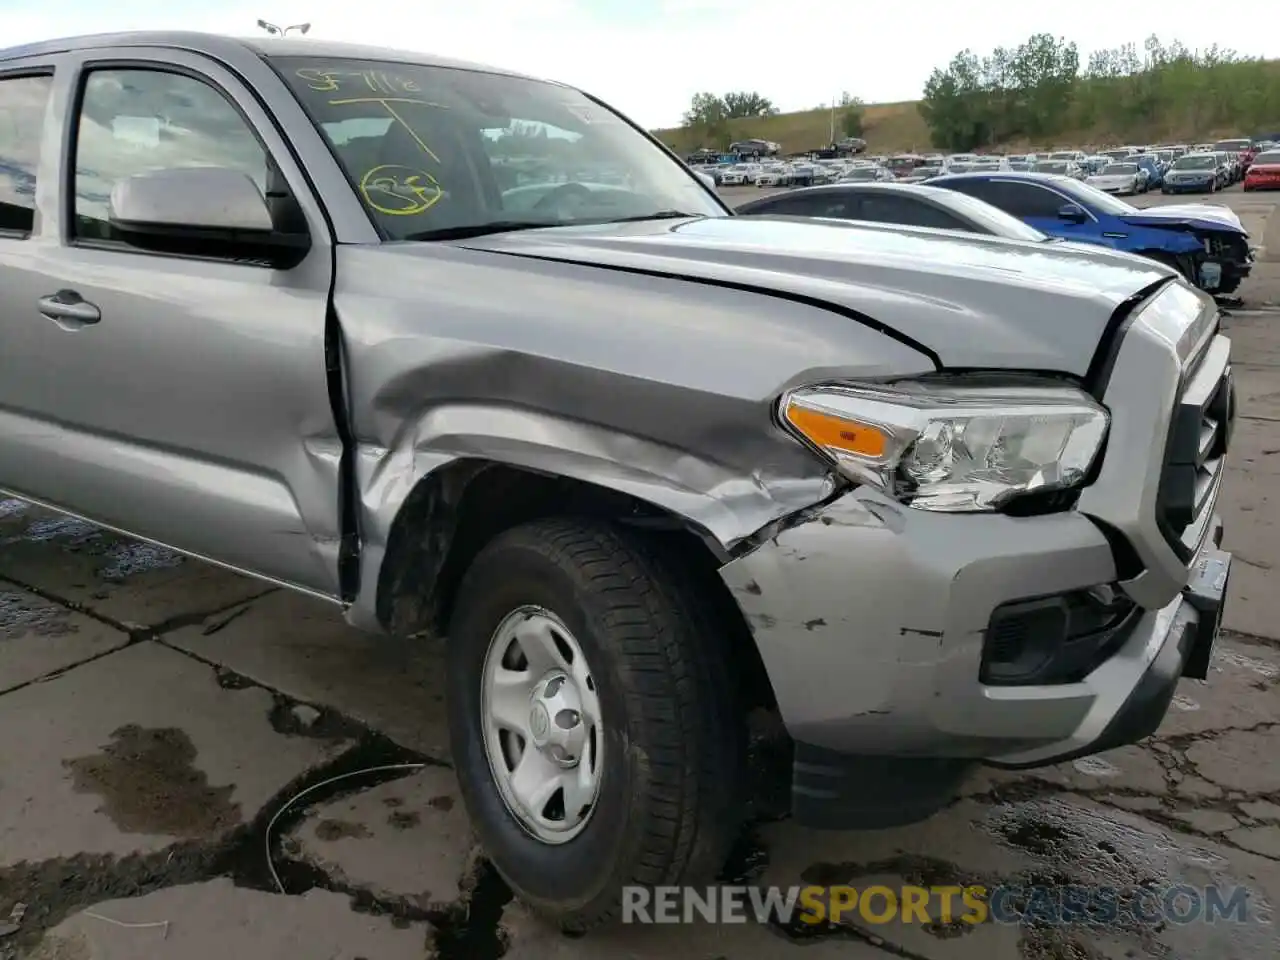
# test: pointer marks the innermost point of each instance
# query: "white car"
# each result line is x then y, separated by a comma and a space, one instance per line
740, 175
868, 175
773, 176
1119, 178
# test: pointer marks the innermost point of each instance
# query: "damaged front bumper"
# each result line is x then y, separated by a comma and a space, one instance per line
879, 626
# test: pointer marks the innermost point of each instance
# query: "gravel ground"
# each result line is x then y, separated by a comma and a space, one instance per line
185, 757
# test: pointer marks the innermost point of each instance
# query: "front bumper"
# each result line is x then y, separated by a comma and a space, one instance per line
873, 619
1199, 186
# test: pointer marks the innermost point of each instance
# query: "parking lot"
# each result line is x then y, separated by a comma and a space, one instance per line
193, 765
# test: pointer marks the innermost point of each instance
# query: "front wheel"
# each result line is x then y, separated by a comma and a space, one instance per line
593, 732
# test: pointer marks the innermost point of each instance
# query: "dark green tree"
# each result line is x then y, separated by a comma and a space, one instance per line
747, 104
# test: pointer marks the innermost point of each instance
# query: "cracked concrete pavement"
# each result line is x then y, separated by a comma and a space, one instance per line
193, 764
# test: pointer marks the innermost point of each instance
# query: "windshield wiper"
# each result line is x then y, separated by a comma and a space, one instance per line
464, 231
659, 215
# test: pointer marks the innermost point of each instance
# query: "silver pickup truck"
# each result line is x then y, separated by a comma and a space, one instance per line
470, 355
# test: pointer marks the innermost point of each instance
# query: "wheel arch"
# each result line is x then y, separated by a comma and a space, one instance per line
454, 510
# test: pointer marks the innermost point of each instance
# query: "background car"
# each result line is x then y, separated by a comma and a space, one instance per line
1230, 164
1067, 168
1242, 147
912, 206
740, 175
1121, 178
773, 175
908, 205
1206, 243
1154, 169
1193, 173
867, 175
1264, 172
904, 164
1120, 154
1096, 162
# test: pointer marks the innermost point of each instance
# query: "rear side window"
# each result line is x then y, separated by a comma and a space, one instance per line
1020, 199
806, 206
908, 212
22, 106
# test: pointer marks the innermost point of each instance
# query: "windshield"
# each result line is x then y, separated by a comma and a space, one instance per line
1089, 196
898, 163
929, 171
1117, 154
863, 173
1235, 146
1269, 157
961, 167
1196, 163
1051, 167
1000, 224
1020, 165
1062, 156
432, 151
1119, 169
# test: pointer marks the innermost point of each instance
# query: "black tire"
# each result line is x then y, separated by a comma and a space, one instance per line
671, 799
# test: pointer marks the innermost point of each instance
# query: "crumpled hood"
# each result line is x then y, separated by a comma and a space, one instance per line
973, 301
1206, 216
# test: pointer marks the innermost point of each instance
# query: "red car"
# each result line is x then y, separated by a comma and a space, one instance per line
1264, 172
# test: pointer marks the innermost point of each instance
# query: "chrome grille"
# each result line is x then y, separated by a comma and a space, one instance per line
1199, 434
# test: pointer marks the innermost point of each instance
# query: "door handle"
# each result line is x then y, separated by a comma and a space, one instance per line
69, 310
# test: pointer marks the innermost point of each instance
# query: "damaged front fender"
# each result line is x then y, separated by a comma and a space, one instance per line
654, 390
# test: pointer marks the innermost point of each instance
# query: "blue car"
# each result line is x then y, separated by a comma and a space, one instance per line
1206, 243
1155, 170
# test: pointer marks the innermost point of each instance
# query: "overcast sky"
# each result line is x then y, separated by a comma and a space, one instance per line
647, 57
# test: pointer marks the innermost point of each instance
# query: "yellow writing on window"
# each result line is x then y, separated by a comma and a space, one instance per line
400, 191
369, 81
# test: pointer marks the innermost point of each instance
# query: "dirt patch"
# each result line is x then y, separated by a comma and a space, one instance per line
55, 889
404, 820
148, 784
331, 830
22, 614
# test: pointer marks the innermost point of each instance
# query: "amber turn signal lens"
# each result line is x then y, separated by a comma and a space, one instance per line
838, 434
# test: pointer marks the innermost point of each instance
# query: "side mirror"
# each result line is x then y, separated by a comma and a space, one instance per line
1072, 213
707, 179
201, 211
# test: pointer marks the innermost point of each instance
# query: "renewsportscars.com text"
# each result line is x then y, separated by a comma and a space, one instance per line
1008, 904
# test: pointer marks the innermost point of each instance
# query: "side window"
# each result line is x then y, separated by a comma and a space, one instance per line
978, 189
908, 212
136, 121
810, 206
1025, 199
22, 106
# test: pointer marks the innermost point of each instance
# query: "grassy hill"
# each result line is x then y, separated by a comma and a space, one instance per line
1184, 103
888, 127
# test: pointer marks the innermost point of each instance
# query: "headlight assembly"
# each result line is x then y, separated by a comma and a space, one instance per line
957, 450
